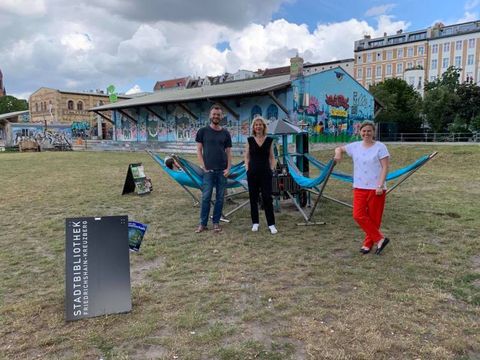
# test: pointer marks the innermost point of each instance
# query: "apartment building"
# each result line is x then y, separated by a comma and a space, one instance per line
418, 56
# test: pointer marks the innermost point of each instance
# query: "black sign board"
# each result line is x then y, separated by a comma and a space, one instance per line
136, 180
97, 267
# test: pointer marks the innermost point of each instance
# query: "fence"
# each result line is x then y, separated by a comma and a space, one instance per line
431, 137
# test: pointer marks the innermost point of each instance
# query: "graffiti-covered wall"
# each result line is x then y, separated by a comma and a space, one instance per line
174, 123
331, 102
51, 136
333, 105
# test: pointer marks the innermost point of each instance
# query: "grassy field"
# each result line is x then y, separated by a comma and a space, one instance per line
305, 293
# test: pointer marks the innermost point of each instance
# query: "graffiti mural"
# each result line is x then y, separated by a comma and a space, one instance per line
52, 136
332, 104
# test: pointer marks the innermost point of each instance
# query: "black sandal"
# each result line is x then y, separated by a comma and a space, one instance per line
384, 244
364, 251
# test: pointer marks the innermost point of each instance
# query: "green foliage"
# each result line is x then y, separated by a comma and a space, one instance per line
439, 107
449, 79
451, 106
11, 103
402, 104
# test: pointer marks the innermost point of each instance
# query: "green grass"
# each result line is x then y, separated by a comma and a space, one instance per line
305, 293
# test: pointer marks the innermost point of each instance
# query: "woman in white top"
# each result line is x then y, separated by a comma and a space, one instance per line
370, 168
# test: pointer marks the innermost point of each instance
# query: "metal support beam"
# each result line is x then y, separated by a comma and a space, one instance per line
149, 109
187, 110
229, 109
277, 101
127, 115
104, 116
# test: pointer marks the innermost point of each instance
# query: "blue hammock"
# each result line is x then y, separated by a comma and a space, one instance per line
390, 176
193, 177
304, 181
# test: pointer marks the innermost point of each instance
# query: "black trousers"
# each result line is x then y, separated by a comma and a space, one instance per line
261, 182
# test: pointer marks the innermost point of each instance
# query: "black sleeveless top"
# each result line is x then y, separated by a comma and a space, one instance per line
259, 155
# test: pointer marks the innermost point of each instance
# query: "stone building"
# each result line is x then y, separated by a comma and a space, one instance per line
53, 106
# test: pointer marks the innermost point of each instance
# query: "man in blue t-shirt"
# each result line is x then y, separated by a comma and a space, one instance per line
214, 145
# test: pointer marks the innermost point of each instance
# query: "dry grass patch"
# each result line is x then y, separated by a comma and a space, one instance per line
305, 293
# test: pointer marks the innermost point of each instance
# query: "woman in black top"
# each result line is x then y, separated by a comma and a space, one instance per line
260, 162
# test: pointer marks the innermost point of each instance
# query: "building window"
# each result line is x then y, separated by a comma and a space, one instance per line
360, 73
446, 47
70, 105
36, 107
471, 43
79, 105
369, 58
410, 51
445, 63
409, 65
470, 59
420, 63
458, 61
469, 77
272, 112
399, 68
419, 85
435, 49
434, 64
411, 80
388, 70
400, 53
458, 45
369, 72
379, 56
433, 78
389, 55
421, 50
359, 59
379, 71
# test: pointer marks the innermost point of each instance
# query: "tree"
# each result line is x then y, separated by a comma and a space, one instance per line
468, 106
11, 103
449, 79
402, 104
439, 107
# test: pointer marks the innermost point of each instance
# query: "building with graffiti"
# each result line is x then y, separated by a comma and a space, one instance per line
329, 104
16, 126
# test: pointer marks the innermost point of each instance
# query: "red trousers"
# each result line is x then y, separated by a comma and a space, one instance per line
367, 212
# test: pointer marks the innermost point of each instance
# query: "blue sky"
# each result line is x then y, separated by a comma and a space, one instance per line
420, 14
90, 44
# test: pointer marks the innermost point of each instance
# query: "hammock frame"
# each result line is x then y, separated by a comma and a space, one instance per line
401, 180
198, 185
326, 173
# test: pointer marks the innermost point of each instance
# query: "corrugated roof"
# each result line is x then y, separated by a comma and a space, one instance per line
13, 114
228, 89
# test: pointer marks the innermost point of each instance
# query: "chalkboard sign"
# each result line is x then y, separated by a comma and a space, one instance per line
97, 267
136, 181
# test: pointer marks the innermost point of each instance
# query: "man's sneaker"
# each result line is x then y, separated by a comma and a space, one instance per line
273, 229
255, 227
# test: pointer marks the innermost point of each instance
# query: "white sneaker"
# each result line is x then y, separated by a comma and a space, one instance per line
273, 229
255, 227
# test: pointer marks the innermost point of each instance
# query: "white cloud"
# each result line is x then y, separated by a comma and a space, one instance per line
24, 7
468, 16
76, 42
471, 4
379, 10
81, 46
134, 90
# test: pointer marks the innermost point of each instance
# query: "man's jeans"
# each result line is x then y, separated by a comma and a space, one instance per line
211, 179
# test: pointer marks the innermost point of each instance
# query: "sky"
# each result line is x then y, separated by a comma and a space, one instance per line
86, 45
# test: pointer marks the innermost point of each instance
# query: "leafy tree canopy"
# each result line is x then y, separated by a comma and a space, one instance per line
11, 103
402, 104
